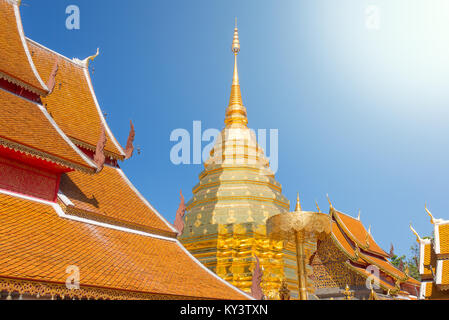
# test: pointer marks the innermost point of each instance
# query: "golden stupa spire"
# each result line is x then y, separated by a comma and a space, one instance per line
236, 112
298, 204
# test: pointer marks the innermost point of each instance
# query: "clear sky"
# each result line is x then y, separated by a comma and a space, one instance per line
359, 95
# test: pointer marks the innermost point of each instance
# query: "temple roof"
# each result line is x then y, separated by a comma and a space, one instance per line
430, 291
16, 65
73, 103
347, 234
39, 242
27, 127
356, 231
110, 196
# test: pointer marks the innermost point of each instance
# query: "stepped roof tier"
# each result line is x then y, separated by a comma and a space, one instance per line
73, 103
361, 255
434, 261
27, 128
110, 196
16, 65
39, 242
64, 206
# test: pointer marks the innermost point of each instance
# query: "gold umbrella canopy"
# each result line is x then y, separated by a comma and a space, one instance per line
299, 227
286, 226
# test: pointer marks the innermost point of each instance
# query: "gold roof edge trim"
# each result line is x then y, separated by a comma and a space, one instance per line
44, 156
22, 84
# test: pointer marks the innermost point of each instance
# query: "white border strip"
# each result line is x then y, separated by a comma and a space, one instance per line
63, 135
89, 82
421, 256
439, 275
422, 291
437, 238
120, 171
37, 44
62, 214
25, 46
65, 199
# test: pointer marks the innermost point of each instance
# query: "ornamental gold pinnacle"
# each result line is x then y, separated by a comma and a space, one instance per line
236, 112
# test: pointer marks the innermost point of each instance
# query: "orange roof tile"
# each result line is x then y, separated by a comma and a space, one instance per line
72, 103
443, 233
39, 245
384, 265
15, 61
429, 259
26, 127
110, 195
357, 232
430, 291
343, 242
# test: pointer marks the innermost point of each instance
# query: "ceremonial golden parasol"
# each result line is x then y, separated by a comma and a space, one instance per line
299, 227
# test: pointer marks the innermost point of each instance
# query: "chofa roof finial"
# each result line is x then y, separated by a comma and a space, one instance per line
418, 238
91, 58
329, 200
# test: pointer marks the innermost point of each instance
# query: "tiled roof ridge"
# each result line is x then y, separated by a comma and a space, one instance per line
43, 90
89, 166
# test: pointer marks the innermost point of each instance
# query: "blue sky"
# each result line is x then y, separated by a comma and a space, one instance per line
362, 113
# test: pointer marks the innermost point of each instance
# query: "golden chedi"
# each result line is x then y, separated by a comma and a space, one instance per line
225, 221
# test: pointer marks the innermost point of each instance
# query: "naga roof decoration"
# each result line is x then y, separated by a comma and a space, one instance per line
73, 103
99, 157
179, 219
129, 143
16, 65
27, 127
256, 290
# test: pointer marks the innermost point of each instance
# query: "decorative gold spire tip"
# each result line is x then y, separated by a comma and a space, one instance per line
236, 42
298, 204
236, 112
